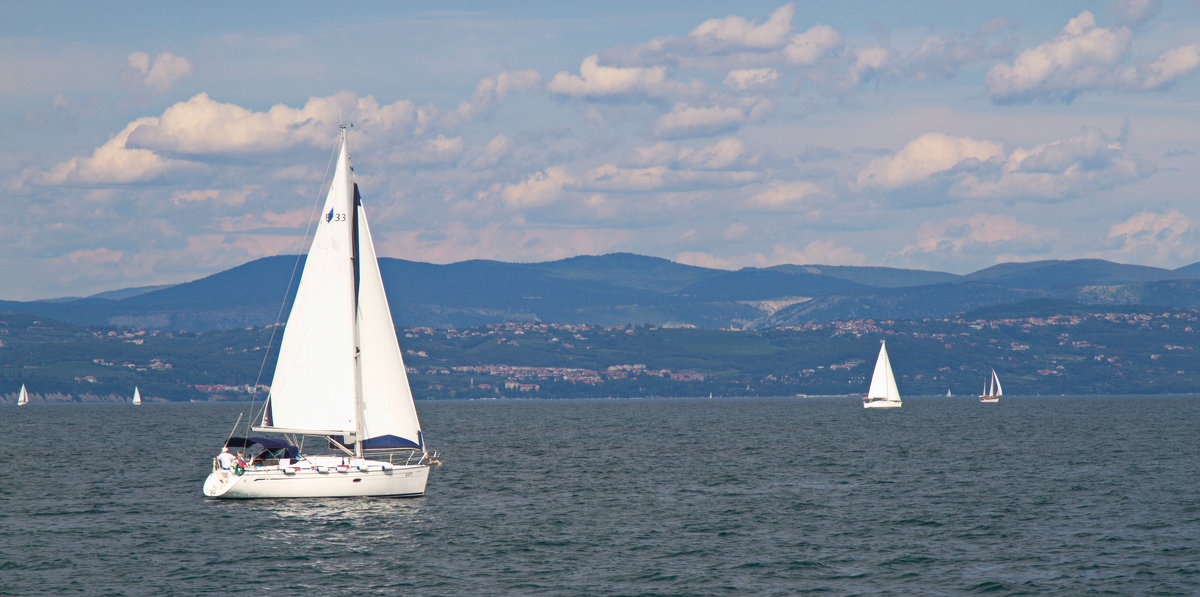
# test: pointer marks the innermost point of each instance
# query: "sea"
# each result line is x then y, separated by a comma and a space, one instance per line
737, 496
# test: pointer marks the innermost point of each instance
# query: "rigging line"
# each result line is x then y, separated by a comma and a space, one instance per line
316, 209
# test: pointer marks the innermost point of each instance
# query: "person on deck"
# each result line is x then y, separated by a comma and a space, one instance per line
225, 459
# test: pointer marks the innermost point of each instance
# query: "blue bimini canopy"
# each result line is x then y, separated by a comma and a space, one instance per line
279, 447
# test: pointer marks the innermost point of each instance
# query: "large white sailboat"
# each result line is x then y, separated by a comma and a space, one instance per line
22, 396
883, 392
339, 382
137, 397
991, 391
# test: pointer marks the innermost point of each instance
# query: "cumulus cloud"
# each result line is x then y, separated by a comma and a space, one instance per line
595, 81
785, 195
1082, 58
689, 121
537, 189
203, 126
806, 49
114, 162
965, 234
1056, 170
924, 157
726, 154
158, 74
492, 90
495, 150
750, 78
1154, 237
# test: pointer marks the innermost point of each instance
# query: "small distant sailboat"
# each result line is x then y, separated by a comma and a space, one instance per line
22, 397
991, 391
137, 397
883, 392
948, 394
340, 380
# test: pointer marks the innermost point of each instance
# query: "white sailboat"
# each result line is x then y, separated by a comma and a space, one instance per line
340, 380
22, 396
883, 392
137, 397
991, 391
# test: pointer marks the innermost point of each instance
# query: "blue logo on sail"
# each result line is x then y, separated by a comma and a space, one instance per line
329, 216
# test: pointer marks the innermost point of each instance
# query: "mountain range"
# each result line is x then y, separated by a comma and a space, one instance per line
624, 288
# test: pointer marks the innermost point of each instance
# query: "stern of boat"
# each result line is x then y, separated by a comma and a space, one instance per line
219, 482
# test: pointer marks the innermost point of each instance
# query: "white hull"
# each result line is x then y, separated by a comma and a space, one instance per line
882, 404
320, 477
989, 399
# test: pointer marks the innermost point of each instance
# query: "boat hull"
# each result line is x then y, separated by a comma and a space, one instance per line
989, 399
319, 481
882, 404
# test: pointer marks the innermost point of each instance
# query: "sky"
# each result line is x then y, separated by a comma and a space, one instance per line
154, 143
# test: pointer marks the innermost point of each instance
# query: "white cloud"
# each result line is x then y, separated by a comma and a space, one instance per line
1084, 57
114, 162
734, 32
203, 126
159, 74
806, 49
1152, 237
785, 195
492, 90
497, 149
924, 157
613, 82
978, 232
538, 189
727, 153
688, 121
750, 78
1056, 170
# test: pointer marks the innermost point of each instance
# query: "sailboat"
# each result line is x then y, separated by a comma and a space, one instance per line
339, 382
883, 392
22, 396
991, 391
137, 397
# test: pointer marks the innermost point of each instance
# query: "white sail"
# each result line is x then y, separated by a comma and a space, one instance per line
883, 388
996, 391
314, 385
137, 396
389, 417
22, 396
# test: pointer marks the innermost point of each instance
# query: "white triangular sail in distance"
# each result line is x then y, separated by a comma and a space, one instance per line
883, 390
996, 391
137, 396
22, 396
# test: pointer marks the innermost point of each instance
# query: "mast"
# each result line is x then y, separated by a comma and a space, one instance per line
355, 201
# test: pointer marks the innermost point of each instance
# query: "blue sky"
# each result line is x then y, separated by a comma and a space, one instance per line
151, 143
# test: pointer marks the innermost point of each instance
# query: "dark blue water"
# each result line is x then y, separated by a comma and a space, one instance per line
630, 497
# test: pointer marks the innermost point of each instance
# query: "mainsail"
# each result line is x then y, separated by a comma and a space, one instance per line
340, 371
